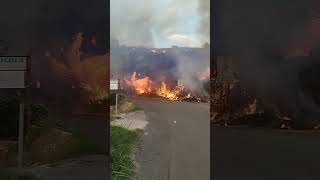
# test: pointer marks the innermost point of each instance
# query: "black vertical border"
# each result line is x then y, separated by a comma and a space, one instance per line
212, 71
108, 87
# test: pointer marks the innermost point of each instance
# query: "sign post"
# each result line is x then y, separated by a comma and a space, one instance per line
21, 135
13, 72
116, 103
114, 86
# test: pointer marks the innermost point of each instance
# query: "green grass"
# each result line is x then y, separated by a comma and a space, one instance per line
83, 145
122, 145
8, 175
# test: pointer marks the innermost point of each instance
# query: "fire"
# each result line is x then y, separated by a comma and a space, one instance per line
165, 92
141, 86
147, 86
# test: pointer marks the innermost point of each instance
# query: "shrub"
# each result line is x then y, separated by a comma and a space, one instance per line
9, 113
39, 114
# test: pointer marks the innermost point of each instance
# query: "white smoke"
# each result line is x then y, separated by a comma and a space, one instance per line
190, 68
142, 22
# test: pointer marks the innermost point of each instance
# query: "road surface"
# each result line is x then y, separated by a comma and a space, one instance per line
175, 144
244, 154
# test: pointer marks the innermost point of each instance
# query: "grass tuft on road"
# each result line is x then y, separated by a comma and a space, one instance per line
125, 106
136, 107
122, 145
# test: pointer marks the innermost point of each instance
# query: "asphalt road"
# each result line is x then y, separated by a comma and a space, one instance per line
175, 144
246, 154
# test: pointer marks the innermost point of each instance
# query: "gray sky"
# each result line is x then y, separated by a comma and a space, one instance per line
164, 23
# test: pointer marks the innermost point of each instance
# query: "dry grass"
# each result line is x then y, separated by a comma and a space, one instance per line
49, 146
126, 107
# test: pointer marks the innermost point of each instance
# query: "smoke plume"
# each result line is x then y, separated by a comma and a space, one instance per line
190, 65
145, 22
204, 12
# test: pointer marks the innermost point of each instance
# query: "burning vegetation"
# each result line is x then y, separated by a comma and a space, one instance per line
177, 73
141, 86
145, 86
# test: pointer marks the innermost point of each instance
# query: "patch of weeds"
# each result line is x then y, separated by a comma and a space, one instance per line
122, 145
52, 145
136, 107
126, 107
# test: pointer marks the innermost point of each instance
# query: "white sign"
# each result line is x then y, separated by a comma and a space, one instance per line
224, 69
12, 71
12, 79
114, 84
13, 63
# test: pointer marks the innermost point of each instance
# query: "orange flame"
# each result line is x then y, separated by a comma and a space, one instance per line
146, 86
165, 92
141, 86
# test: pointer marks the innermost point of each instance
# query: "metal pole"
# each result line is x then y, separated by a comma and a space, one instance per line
21, 135
28, 84
116, 103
